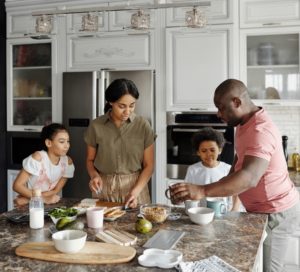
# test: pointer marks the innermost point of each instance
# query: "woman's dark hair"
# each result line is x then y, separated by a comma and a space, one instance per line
117, 89
208, 134
49, 131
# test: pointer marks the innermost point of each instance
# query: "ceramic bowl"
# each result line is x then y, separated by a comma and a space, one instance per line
155, 213
71, 218
69, 241
201, 215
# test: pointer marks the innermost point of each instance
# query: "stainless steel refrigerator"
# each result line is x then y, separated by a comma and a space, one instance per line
83, 101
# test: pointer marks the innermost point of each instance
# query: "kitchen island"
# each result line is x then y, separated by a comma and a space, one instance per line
235, 237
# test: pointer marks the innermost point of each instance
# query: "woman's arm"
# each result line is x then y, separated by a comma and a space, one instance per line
144, 177
96, 181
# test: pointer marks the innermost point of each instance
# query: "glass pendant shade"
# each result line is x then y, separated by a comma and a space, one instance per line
89, 22
140, 20
195, 18
44, 24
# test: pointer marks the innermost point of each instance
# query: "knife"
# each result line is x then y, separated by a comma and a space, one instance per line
128, 209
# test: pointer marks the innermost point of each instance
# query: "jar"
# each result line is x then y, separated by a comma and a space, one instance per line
266, 54
296, 162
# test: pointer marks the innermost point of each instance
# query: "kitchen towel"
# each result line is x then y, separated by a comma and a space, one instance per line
211, 264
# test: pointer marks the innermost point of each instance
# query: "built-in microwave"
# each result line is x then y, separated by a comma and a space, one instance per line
19, 146
180, 128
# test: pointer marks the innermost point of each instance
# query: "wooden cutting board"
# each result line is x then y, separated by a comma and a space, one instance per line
92, 253
109, 204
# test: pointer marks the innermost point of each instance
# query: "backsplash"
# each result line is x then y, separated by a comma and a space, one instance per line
288, 121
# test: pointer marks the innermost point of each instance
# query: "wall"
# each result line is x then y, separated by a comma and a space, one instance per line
288, 121
3, 178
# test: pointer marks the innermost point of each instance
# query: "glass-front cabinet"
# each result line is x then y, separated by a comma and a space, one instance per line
270, 65
31, 92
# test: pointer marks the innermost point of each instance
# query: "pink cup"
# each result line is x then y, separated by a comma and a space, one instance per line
94, 217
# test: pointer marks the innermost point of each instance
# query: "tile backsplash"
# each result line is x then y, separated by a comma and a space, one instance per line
288, 121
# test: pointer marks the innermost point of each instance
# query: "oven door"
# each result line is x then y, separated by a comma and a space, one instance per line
180, 153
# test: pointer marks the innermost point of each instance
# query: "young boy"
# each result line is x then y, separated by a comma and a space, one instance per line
208, 144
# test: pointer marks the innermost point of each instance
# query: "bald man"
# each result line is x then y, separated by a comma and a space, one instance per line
259, 174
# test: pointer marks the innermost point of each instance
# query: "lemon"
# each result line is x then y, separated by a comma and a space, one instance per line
142, 225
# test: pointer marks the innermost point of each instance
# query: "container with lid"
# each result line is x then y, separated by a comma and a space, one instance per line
36, 210
267, 54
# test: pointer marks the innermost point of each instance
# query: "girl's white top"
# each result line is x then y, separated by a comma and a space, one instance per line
44, 174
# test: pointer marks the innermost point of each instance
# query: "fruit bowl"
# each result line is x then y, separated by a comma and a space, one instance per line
155, 213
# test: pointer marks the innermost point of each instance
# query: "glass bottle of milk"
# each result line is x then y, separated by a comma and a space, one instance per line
36, 210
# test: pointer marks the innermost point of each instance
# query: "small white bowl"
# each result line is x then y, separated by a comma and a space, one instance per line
201, 215
69, 241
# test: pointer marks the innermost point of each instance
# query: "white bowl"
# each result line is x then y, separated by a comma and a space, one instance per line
69, 241
201, 215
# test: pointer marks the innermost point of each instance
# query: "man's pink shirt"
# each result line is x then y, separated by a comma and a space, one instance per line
275, 192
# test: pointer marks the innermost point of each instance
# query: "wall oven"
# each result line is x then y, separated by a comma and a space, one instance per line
180, 128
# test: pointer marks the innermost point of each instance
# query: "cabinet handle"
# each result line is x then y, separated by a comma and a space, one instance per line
30, 129
198, 109
271, 103
271, 24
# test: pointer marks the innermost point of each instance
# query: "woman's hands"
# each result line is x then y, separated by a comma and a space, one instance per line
131, 201
95, 184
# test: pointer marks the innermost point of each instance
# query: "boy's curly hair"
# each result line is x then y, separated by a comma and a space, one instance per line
207, 134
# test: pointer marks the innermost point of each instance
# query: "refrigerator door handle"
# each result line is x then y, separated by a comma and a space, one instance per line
102, 82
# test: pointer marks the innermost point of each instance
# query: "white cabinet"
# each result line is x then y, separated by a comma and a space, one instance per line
31, 83
219, 12
11, 195
268, 13
197, 60
269, 64
110, 50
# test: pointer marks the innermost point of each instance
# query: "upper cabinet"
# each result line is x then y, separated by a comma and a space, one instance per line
110, 50
31, 84
22, 24
269, 64
268, 13
219, 12
197, 60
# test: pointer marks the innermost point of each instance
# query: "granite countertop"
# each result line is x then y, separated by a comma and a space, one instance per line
295, 177
234, 237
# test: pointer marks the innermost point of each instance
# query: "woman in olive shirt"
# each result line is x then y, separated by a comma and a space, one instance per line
120, 148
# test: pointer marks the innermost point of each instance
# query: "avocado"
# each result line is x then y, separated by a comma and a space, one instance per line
74, 225
62, 222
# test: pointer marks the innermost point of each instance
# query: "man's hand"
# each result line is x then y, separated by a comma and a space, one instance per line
184, 191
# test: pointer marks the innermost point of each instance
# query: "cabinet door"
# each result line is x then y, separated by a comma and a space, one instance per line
293, 254
31, 70
197, 61
119, 20
22, 24
218, 12
270, 65
264, 13
11, 195
112, 50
